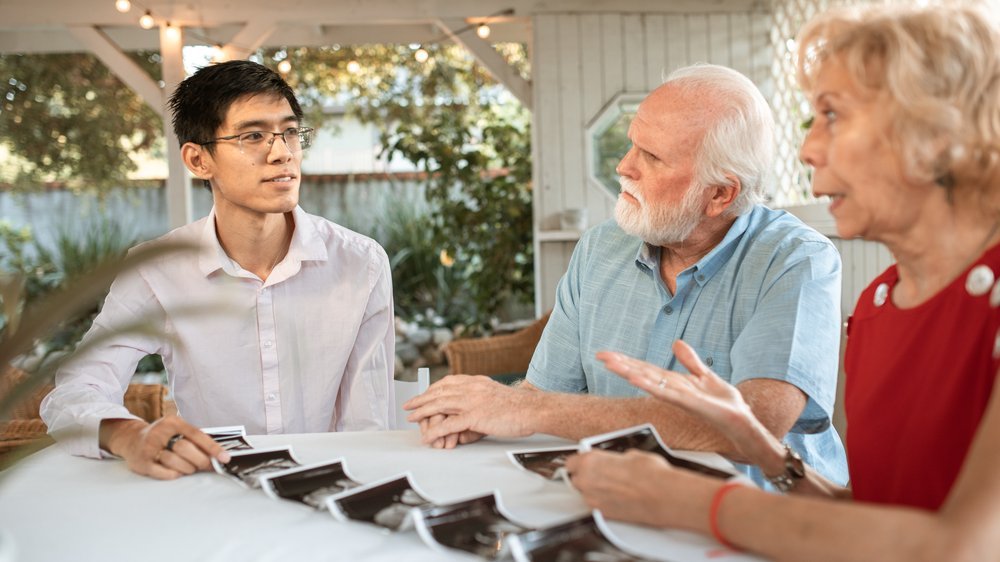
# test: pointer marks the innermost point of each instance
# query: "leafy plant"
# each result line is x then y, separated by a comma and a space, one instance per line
42, 317
472, 138
68, 118
42, 269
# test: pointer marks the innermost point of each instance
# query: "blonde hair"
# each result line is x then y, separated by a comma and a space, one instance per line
939, 67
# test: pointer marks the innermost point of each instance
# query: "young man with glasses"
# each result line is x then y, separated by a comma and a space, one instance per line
298, 334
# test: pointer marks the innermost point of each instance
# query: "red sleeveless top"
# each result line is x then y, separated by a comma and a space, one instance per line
918, 383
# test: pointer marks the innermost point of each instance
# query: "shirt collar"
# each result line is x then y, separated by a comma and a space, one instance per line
648, 256
306, 245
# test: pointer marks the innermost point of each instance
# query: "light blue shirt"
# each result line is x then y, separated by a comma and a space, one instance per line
764, 303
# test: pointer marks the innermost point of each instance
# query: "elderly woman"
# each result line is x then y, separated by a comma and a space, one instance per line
906, 143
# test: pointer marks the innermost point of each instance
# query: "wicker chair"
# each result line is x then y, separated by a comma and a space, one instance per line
507, 355
25, 426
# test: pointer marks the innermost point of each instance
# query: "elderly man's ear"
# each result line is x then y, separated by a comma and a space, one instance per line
722, 196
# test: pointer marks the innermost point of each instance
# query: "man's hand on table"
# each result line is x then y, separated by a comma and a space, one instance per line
461, 409
165, 449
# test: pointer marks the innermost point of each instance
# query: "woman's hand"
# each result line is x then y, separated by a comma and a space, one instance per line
639, 487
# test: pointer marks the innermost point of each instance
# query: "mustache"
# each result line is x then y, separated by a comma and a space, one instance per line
629, 186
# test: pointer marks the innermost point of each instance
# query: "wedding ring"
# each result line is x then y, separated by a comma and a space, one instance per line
663, 382
173, 441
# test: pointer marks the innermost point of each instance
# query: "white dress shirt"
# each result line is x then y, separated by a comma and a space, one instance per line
308, 350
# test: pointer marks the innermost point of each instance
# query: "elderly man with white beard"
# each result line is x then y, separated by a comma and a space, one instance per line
691, 254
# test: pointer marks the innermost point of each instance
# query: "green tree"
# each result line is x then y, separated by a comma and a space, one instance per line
68, 118
449, 117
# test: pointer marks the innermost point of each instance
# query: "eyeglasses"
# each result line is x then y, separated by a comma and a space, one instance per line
258, 142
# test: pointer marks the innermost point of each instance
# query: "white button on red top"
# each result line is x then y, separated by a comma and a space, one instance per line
980, 280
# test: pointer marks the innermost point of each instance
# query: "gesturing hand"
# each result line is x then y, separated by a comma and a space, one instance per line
145, 446
702, 393
461, 409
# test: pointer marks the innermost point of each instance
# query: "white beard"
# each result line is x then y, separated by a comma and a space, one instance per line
658, 226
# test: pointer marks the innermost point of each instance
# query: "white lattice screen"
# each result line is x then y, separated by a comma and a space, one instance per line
790, 106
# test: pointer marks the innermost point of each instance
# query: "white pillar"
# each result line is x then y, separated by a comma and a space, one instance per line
178, 182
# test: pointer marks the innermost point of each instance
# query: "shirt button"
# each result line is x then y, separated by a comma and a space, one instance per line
979, 281
668, 309
700, 278
268, 344
709, 361
272, 397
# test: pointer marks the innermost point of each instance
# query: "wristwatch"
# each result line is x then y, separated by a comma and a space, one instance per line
795, 470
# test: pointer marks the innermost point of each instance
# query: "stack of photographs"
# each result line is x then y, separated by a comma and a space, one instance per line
232, 438
387, 503
247, 467
311, 484
645, 437
479, 526
549, 463
585, 539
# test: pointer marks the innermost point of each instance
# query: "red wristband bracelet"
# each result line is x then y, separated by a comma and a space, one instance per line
713, 514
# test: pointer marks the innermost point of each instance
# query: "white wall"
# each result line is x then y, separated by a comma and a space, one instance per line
580, 62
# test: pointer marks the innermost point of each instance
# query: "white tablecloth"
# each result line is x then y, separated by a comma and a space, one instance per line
56, 507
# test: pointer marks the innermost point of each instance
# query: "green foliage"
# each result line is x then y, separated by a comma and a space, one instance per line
48, 269
67, 118
427, 288
452, 120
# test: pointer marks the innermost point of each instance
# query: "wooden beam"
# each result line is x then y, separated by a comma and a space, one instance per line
487, 56
210, 13
125, 68
178, 184
248, 39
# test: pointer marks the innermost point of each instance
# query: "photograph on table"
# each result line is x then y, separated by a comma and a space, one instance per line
579, 540
231, 437
548, 462
478, 525
386, 503
645, 437
311, 484
246, 467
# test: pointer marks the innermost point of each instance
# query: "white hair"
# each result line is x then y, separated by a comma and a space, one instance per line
741, 141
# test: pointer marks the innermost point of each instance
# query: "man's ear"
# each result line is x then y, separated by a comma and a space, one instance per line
197, 159
722, 196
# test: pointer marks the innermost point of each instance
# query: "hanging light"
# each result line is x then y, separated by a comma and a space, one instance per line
421, 55
147, 21
284, 67
173, 33
483, 31
353, 67
123, 6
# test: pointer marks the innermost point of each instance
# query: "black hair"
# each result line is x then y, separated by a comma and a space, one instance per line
200, 103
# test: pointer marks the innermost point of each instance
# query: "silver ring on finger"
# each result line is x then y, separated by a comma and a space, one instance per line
663, 383
173, 441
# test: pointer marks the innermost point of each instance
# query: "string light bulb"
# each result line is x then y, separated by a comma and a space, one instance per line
147, 21
421, 55
354, 67
483, 31
173, 33
284, 67
123, 6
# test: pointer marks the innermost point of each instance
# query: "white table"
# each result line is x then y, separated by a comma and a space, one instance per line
57, 507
